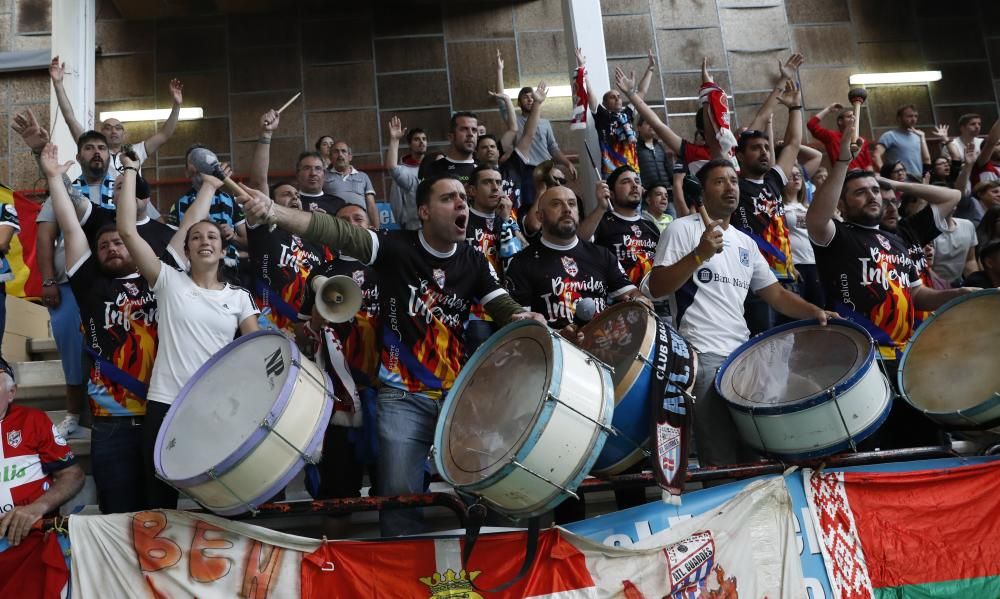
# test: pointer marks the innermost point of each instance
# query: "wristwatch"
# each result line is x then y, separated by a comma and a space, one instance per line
49, 282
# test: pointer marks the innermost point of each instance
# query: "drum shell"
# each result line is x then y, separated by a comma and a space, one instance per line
927, 360
562, 445
813, 427
268, 463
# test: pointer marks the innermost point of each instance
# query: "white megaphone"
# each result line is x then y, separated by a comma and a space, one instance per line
338, 298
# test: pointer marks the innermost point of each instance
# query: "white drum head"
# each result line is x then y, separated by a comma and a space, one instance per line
223, 405
496, 405
789, 366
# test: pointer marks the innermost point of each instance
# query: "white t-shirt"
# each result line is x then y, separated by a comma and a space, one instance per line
802, 250
194, 324
951, 248
708, 308
116, 162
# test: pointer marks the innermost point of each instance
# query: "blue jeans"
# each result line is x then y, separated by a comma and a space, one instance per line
406, 424
116, 459
69, 339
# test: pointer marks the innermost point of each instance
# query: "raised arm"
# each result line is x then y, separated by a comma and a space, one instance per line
588, 225
145, 259
626, 84
925, 153
504, 106
989, 144
945, 198
57, 71
581, 62
647, 76
540, 92
971, 158
159, 138
199, 211
819, 218
789, 72
810, 159
680, 203
396, 132
76, 240
791, 98
510, 118
261, 162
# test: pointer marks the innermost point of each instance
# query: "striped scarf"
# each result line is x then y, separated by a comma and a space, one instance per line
107, 190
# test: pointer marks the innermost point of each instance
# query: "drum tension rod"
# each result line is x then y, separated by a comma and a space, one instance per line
850, 437
607, 428
542, 478
264, 424
753, 418
250, 507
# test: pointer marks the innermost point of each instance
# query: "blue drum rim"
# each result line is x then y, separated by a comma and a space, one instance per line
812, 400
542, 418
629, 459
987, 404
237, 456
843, 445
291, 471
537, 427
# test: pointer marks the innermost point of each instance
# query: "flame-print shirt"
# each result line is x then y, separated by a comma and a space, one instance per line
119, 317
869, 276
632, 241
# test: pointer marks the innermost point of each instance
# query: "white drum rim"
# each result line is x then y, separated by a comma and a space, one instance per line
538, 424
806, 402
245, 448
986, 405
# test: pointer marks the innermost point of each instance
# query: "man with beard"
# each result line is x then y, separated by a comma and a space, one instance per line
553, 274
761, 213
617, 224
428, 280
309, 170
870, 277
281, 262
710, 267
458, 162
118, 311
344, 181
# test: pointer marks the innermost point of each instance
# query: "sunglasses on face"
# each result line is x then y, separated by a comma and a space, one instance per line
559, 180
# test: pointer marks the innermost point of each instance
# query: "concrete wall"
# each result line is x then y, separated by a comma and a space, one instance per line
359, 67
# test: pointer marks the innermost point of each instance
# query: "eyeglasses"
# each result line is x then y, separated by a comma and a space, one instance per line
898, 170
559, 180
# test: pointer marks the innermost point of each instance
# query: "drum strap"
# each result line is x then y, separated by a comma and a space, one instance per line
477, 517
344, 414
274, 301
118, 376
673, 370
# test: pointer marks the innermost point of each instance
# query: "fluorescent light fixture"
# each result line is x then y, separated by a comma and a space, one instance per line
895, 78
125, 116
555, 91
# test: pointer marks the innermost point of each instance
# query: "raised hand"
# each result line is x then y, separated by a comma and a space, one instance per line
835, 106
652, 59
706, 77
581, 60
396, 130
213, 182
603, 193
57, 70
499, 60
50, 162
540, 92
791, 95
500, 95
270, 120
176, 91
941, 132
26, 125
126, 160
624, 82
790, 68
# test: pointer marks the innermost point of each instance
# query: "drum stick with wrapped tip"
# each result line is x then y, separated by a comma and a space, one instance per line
289, 103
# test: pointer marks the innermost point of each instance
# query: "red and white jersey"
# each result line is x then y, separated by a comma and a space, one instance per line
30, 450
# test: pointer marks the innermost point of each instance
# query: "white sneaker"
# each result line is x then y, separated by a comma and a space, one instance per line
69, 425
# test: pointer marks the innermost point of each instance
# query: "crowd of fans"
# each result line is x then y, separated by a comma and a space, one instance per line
726, 234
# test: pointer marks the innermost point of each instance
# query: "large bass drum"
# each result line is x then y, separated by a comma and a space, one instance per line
624, 337
525, 420
245, 424
802, 390
950, 370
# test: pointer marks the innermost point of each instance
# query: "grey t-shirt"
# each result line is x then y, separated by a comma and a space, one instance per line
905, 147
543, 145
351, 188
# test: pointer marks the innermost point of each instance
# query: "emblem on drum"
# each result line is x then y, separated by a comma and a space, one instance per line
569, 265
452, 585
275, 365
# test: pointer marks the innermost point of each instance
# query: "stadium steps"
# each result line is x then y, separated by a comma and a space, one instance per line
42, 349
40, 384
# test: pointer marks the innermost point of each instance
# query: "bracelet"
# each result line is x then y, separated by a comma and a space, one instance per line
264, 140
49, 282
633, 91
791, 108
848, 160
129, 168
697, 259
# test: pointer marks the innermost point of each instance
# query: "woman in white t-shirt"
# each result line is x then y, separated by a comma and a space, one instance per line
793, 196
198, 312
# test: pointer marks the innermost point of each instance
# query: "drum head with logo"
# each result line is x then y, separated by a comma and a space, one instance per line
621, 336
793, 363
220, 409
495, 403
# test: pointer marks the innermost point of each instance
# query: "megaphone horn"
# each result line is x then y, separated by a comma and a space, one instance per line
338, 298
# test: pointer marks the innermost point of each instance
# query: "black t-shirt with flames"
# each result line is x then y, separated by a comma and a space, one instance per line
425, 300
360, 336
632, 241
868, 276
919, 230
553, 279
281, 264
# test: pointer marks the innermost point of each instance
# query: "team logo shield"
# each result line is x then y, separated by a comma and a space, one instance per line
359, 277
744, 257
439, 277
883, 242
569, 265
14, 438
